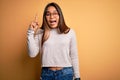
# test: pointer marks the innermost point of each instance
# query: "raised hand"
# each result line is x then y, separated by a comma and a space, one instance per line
34, 24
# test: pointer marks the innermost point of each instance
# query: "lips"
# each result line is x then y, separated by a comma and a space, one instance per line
52, 21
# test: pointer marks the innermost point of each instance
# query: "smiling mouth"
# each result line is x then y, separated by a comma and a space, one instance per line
52, 21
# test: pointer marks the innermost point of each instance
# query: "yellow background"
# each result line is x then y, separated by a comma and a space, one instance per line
97, 26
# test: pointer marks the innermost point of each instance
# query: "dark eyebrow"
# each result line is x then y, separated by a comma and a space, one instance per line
49, 11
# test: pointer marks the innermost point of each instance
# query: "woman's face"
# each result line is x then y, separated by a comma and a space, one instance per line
52, 17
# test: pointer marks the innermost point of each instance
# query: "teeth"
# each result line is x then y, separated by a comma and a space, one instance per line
52, 21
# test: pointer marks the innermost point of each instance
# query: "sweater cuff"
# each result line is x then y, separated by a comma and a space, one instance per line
30, 31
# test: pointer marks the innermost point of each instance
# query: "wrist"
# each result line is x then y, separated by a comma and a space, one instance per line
77, 78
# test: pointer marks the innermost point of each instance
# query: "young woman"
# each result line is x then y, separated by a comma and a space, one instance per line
56, 43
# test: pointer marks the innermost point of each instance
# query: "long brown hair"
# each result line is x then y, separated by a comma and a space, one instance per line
63, 28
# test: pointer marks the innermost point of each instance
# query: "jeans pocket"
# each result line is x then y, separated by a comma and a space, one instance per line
68, 71
67, 74
44, 73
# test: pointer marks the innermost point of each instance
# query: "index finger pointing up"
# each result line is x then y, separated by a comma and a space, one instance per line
36, 18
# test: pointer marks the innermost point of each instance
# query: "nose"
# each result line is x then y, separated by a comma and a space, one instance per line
51, 16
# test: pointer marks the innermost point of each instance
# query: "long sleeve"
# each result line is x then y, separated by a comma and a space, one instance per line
74, 55
33, 43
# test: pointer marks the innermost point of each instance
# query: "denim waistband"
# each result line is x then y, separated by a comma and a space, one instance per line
64, 70
47, 68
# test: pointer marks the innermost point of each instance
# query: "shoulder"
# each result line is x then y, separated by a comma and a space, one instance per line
71, 31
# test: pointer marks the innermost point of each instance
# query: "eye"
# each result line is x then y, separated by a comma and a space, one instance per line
52, 14
55, 13
47, 14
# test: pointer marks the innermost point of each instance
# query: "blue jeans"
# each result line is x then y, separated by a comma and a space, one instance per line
64, 74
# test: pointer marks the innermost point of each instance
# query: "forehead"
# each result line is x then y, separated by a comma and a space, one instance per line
51, 9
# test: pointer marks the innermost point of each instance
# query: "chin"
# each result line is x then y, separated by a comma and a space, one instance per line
53, 27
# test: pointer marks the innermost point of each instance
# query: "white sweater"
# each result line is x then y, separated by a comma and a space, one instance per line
59, 50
